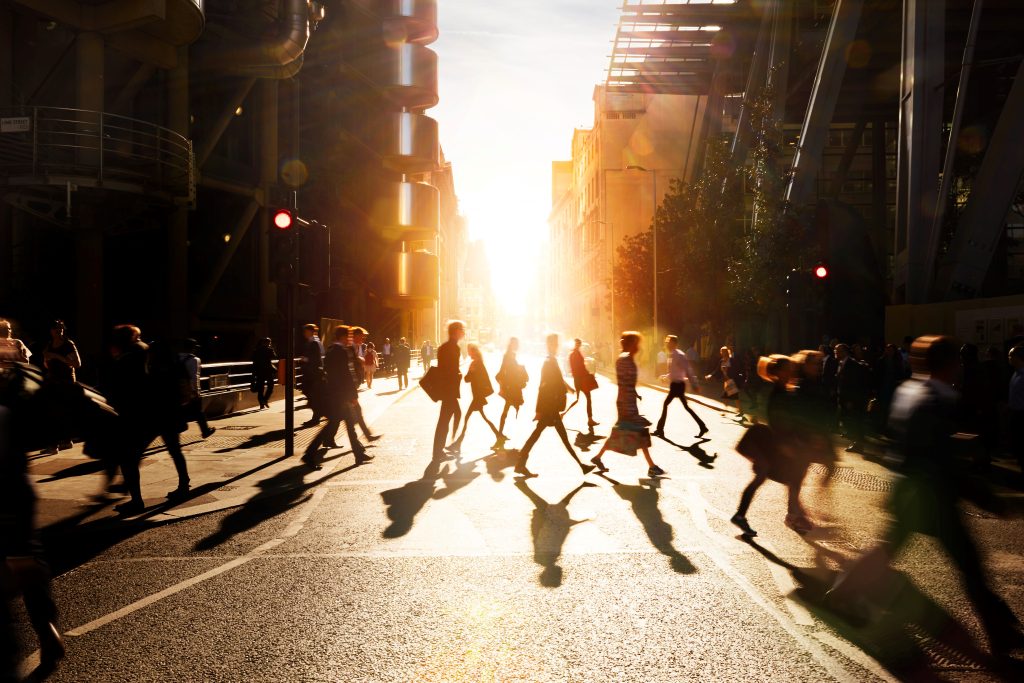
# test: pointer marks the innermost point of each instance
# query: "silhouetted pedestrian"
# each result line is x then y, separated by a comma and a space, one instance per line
852, 394
512, 379
312, 366
264, 374
194, 370
583, 381
340, 398
448, 386
60, 360
357, 351
387, 354
402, 357
630, 431
550, 404
370, 363
679, 372
127, 389
11, 347
170, 393
426, 354
925, 499
480, 384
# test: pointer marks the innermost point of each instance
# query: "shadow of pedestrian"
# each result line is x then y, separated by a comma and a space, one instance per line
261, 440
278, 493
643, 499
500, 460
405, 502
703, 459
901, 627
584, 440
79, 470
549, 527
456, 478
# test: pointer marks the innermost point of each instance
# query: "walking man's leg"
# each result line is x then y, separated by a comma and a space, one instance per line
696, 418
448, 408
660, 430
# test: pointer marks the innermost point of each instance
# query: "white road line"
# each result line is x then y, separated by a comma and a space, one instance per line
835, 668
854, 654
786, 585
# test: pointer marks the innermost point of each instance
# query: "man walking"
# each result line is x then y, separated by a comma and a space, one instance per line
550, 404
448, 356
356, 350
583, 381
339, 402
386, 352
678, 373
312, 364
194, 369
403, 356
426, 354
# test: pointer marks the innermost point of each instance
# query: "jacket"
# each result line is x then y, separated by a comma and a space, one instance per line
551, 393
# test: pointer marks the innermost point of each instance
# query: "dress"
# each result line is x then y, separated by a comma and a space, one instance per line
511, 380
480, 383
630, 432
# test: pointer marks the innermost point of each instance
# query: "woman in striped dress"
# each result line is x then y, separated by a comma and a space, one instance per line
630, 432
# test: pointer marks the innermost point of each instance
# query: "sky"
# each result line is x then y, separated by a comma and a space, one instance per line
516, 77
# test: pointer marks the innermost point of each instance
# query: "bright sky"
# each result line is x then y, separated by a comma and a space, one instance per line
516, 78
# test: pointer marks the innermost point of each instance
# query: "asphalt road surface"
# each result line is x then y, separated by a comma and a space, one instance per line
407, 570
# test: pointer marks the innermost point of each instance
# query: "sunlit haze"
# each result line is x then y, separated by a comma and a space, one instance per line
516, 78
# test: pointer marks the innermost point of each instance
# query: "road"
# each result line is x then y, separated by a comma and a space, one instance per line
407, 570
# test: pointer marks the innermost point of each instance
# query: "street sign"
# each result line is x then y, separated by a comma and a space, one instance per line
15, 124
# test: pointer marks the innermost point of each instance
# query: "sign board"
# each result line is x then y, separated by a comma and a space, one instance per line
15, 124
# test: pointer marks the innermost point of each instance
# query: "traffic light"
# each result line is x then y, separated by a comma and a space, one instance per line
821, 271
283, 219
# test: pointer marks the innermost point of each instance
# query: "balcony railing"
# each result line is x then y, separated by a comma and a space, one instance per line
59, 145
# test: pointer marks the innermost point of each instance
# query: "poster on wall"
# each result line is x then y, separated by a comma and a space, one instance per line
980, 328
995, 331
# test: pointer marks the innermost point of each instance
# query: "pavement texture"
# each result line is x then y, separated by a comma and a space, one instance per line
407, 570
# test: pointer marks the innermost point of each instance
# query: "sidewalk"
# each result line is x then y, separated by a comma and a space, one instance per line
225, 469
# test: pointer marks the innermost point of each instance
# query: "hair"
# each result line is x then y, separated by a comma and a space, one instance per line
5, 326
629, 339
726, 350
454, 325
341, 332
356, 330
265, 341
844, 347
124, 336
969, 354
58, 324
933, 353
769, 367
577, 341
401, 340
511, 341
311, 327
473, 349
190, 345
370, 345
552, 337
807, 358
1017, 352
671, 339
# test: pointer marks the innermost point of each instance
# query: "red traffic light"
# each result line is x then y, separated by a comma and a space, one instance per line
283, 219
821, 272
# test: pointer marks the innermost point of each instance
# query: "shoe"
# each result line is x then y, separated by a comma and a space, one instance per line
499, 444
310, 422
655, 471
853, 448
702, 432
598, 464
208, 433
658, 433
311, 459
64, 446
454, 449
180, 492
363, 457
741, 522
587, 469
372, 438
51, 651
520, 468
132, 507
592, 423
48, 451
331, 444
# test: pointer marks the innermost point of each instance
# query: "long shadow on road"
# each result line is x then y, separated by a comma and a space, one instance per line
405, 502
902, 628
549, 528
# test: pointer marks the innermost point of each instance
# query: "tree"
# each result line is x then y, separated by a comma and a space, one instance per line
632, 284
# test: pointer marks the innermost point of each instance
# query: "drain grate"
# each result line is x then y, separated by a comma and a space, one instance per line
854, 478
943, 656
236, 428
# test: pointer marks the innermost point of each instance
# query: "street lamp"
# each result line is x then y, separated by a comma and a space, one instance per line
654, 237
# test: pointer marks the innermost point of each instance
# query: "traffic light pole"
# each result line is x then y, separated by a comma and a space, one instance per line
289, 350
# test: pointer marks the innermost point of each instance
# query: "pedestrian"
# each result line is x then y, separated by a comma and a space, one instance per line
22, 567
852, 393
127, 389
9, 346
550, 404
449, 380
693, 358
264, 374
1015, 404
170, 393
679, 372
583, 381
340, 399
387, 355
480, 384
925, 500
426, 354
312, 365
770, 447
512, 379
370, 363
194, 406
60, 360
630, 431
402, 357
357, 348
726, 372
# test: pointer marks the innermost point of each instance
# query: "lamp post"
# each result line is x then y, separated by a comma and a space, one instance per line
654, 242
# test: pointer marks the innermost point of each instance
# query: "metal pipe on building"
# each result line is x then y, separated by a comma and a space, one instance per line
269, 58
177, 229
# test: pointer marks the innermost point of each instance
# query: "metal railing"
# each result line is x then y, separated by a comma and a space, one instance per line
56, 145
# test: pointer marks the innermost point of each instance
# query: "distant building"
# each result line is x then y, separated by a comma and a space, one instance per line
620, 170
476, 296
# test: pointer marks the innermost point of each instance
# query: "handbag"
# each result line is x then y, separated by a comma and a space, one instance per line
730, 388
431, 383
590, 383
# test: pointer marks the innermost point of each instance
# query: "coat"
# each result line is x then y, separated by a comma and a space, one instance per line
551, 393
340, 387
448, 357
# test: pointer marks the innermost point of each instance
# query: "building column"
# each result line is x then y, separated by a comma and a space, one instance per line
6, 211
177, 227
